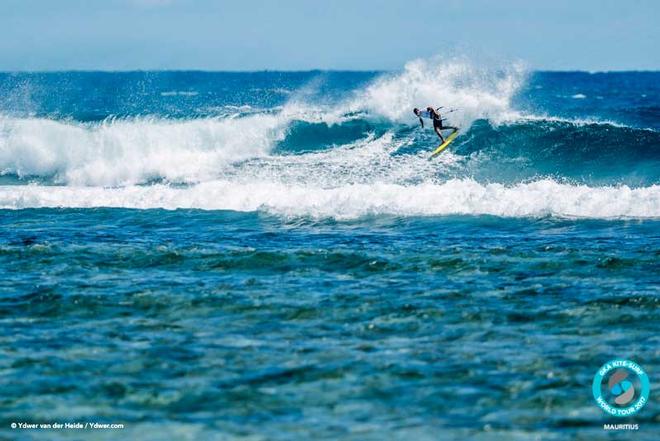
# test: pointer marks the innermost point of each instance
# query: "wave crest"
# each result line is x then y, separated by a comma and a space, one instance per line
124, 152
477, 92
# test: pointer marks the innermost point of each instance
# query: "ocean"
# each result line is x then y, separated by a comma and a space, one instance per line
272, 256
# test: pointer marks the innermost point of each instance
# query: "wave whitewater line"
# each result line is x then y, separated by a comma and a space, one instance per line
465, 197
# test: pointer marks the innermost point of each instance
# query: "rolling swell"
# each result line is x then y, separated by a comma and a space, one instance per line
339, 168
591, 152
594, 153
136, 151
304, 136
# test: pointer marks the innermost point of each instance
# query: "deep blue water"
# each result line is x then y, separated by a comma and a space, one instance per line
272, 256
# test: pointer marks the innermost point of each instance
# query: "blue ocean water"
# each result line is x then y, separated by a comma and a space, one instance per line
272, 255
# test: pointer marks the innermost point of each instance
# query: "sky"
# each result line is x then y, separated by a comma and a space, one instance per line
592, 35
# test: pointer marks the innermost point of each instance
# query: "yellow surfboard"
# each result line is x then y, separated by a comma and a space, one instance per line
444, 145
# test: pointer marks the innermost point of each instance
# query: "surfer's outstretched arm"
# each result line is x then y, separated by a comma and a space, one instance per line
421, 121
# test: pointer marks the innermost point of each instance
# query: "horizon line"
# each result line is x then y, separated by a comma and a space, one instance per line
292, 71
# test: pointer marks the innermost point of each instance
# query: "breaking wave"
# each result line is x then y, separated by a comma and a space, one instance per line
361, 155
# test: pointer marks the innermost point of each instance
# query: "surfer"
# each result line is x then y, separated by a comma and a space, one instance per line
434, 115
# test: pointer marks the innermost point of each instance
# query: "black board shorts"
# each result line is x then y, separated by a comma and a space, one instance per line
437, 123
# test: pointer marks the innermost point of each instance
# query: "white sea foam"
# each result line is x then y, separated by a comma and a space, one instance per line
124, 152
465, 197
134, 151
475, 91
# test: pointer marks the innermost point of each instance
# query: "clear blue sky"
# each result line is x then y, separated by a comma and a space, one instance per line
328, 34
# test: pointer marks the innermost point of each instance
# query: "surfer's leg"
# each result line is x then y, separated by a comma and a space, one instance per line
438, 130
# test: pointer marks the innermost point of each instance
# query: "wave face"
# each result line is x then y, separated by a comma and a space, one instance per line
334, 144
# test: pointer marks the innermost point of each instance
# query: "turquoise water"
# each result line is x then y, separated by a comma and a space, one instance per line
211, 256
